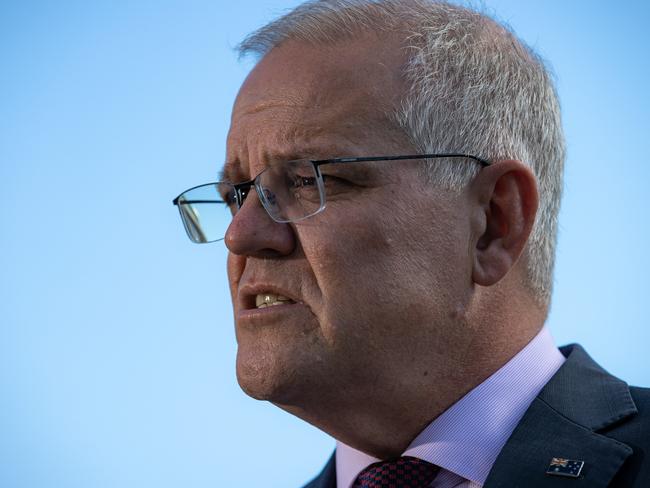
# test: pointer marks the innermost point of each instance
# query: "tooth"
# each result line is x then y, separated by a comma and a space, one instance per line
267, 299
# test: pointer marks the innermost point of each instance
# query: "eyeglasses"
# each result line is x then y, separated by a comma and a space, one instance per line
289, 191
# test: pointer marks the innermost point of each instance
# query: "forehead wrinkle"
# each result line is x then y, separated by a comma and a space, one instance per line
289, 102
282, 138
287, 143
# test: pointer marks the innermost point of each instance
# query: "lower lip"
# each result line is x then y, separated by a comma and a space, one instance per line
259, 312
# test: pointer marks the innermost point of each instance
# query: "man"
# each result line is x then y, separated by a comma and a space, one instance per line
392, 273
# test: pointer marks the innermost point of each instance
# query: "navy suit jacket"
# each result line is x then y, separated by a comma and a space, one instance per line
583, 413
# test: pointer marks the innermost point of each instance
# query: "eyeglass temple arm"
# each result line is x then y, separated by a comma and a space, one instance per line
481, 161
185, 202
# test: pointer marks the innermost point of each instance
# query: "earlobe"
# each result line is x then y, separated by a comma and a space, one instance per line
508, 198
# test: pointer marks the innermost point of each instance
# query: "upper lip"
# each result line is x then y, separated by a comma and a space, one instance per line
248, 292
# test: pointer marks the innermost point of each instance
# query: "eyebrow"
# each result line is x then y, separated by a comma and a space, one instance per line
232, 171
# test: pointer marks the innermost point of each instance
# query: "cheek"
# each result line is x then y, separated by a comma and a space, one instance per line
354, 265
384, 263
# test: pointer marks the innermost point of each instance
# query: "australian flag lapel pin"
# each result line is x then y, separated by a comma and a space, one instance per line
565, 467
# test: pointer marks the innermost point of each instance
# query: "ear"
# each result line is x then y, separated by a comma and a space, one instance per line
507, 199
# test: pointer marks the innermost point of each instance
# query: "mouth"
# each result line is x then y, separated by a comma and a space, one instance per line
264, 304
268, 299
257, 297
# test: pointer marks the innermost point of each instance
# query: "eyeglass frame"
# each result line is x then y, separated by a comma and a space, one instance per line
242, 189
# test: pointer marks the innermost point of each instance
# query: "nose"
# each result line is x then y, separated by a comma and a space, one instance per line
253, 232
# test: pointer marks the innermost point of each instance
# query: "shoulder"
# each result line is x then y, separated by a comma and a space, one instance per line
611, 409
583, 414
639, 424
634, 432
641, 397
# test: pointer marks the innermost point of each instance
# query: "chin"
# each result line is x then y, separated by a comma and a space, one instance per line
265, 377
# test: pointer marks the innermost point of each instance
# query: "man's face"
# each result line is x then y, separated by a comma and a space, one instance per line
376, 280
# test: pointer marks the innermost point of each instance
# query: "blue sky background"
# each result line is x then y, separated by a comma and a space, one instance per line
116, 340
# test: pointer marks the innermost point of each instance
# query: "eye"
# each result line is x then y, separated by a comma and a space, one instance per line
299, 181
307, 181
229, 197
243, 192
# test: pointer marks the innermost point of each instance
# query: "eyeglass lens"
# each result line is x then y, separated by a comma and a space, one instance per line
288, 191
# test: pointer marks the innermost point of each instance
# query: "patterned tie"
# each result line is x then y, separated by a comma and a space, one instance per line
403, 472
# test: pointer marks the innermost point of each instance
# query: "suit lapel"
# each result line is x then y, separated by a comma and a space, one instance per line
327, 477
563, 422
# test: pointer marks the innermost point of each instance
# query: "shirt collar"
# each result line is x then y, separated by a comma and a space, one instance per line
467, 437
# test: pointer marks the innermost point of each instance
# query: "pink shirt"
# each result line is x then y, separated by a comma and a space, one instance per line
466, 439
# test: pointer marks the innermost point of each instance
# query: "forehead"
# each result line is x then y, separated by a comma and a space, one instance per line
308, 101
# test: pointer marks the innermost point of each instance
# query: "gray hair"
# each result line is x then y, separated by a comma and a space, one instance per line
473, 88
